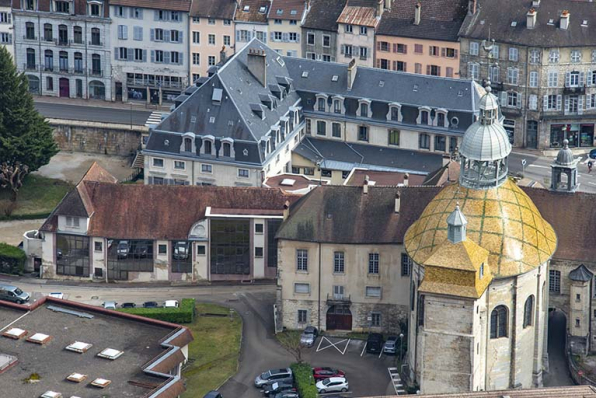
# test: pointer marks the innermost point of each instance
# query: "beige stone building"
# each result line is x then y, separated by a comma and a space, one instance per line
420, 37
285, 20
356, 30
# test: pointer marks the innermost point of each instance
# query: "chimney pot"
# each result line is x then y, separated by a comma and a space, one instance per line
417, 14
286, 210
365, 185
564, 20
256, 62
531, 19
351, 73
406, 178
397, 202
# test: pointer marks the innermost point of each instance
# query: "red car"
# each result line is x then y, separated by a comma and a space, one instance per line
325, 373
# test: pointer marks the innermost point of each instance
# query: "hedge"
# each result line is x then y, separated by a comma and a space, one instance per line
183, 314
12, 259
304, 380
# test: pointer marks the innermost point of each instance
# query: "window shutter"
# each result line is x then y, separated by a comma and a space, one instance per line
566, 104
455, 53
10, 34
166, 57
272, 34
394, 47
131, 54
144, 55
520, 99
166, 35
567, 79
588, 101
116, 53
132, 12
559, 102
285, 37
545, 102
156, 15
9, 18
152, 55
180, 36
297, 37
140, 13
503, 98
405, 66
582, 79
443, 52
428, 69
237, 35
150, 180
405, 48
378, 47
438, 71
152, 33
580, 105
589, 79
180, 58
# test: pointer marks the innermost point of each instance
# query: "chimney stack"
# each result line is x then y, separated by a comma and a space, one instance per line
257, 65
351, 73
472, 7
397, 203
388, 4
286, 210
564, 20
406, 178
535, 3
531, 19
417, 14
222, 55
365, 185
380, 7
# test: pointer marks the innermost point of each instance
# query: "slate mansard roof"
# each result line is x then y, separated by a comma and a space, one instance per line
439, 19
506, 20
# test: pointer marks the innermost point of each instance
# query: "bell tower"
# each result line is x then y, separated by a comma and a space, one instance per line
564, 171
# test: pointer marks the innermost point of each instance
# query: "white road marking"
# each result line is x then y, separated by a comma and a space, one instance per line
381, 353
363, 348
346, 347
539, 166
334, 345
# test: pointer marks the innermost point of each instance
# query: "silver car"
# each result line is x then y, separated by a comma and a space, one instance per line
309, 336
272, 376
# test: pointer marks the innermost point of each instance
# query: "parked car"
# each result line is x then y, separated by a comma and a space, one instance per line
309, 336
123, 249
287, 394
592, 154
274, 375
13, 293
181, 251
213, 394
333, 384
141, 250
150, 304
374, 343
57, 295
109, 305
279, 386
128, 305
390, 346
325, 373
171, 304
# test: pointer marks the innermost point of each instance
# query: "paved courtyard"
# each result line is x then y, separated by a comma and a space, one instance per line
71, 166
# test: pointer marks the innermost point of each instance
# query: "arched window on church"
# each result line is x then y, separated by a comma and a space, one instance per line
498, 322
421, 310
412, 296
529, 311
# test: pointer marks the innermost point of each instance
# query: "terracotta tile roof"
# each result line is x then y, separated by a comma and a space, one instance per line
293, 182
382, 178
99, 174
323, 14
155, 211
172, 5
344, 214
253, 14
364, 16
287, 9
439, 19
218, 9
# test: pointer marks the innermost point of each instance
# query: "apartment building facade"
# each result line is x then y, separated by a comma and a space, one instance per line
319, 30
285, 19
251, 22
211, 33
356, 30
150, 50
6, 27
64, 47
421, 38
541, 65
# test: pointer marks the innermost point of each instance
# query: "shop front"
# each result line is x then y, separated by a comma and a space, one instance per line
578, 135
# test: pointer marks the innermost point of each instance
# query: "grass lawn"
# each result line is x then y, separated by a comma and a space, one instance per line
214, 351
37, 197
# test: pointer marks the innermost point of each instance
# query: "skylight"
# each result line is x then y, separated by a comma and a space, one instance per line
381, 83
415, 87
584, 23
293, 12
335, 78
15, 333
246, 8
288, 182
280, 11
551, 22
79, 346
212, 119
305, 74
76, 377
514, 24
39, 338
101, 383
110, 353
280, 61
263, 9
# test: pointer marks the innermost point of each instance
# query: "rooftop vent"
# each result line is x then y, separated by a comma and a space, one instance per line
77, 377
6, 361
39, 338
335, 78
79, 346
381, 83
585, 23
212, 119
101, 383
217, 95
305, 74
15, 333
551, 22
110, 353
287, 182
51, 394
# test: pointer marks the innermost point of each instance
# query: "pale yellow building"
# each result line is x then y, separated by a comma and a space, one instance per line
285, 18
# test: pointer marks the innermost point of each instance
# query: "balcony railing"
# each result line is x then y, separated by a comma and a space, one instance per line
48, 68
25, 37
78, 70
579, 90
95, 72
95, 43
154, 83
338, 299
48, 39
63, 43
29, 67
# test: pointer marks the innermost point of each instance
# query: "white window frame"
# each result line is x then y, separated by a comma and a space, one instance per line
369, 289
179, 162
474, 48
206, 166
244, 176
163, 162
302, 286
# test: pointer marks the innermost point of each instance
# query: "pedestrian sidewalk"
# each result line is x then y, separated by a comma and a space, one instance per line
139, 106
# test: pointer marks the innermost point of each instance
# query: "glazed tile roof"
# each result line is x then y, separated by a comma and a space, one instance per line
503, 220
581, 274
465, 256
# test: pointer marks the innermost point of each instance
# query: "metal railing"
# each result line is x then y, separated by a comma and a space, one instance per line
25, 37
95, 72
343, 298
63, 43
95, 43
154, 83
29, 67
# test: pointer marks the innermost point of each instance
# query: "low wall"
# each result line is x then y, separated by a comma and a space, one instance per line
577, 374
94, 137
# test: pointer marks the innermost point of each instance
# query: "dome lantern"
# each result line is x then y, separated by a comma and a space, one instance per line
485, 148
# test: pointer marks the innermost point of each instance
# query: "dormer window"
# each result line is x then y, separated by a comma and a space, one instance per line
207, 146
364, 108
440, 118
321, 103
394, 113
338, 105
227, 149
481, 271
94, 8
30, 5
187, 145
423, 115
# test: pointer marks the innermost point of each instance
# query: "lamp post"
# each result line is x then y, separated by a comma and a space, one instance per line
401, 336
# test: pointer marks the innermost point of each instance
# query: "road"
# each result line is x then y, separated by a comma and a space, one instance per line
538, 169
93, 113
558, 374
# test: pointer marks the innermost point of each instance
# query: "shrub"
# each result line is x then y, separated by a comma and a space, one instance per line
183, 314
12, 259
304, 379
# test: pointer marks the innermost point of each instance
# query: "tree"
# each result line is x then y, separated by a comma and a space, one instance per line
11, 176
26, 141
290, 340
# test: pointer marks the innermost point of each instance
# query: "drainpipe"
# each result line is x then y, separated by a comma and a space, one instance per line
525, 132
513, 340
319, 295
487, 340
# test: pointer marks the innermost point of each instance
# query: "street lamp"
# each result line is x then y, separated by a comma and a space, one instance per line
401, 336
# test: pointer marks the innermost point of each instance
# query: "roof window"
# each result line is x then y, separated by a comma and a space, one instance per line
415, 87
280, 61
335, 78
305, 74
381, 83
79, 346
217, 95
76, 377
39, 338
101, 383
246, 8
293, 12
551, 22
263, 9
280, 11
585, 23
15, 333
51, 394
514, 24
212, 119
110, 353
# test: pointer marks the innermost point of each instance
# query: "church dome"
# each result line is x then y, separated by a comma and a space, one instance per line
565, 156
502, 220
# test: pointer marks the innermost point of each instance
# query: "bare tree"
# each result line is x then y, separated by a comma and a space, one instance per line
12, 175
290, 340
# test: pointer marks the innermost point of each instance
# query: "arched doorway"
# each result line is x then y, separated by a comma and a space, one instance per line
558, 374
339, 317
64, 87
97, 90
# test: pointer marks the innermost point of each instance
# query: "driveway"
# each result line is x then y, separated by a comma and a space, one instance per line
558, 374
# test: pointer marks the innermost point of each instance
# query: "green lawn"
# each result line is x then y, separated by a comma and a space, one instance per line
37, 197
214, 351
